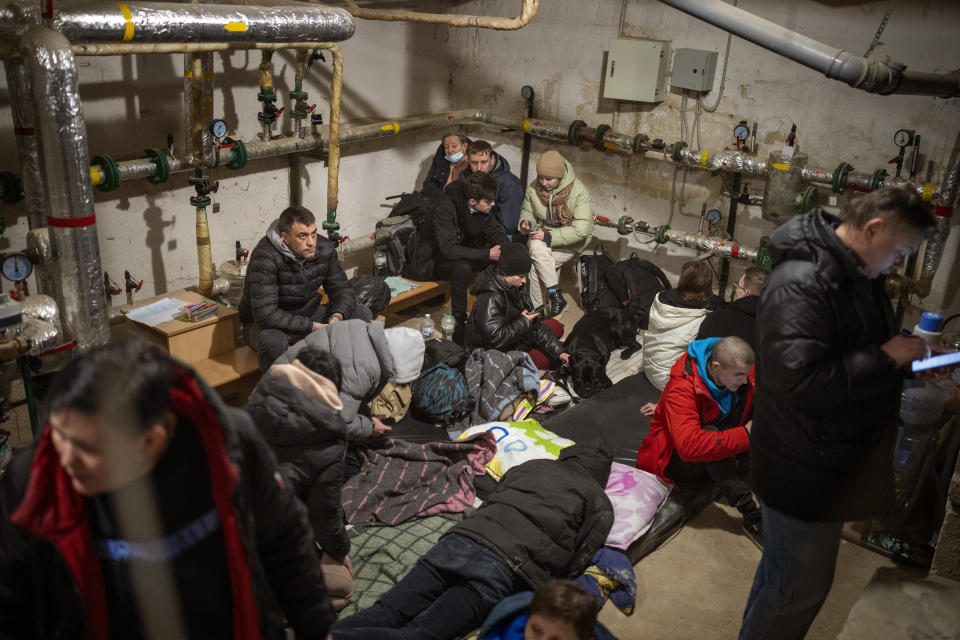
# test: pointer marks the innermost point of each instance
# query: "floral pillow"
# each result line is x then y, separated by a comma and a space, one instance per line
518, 442
636, 496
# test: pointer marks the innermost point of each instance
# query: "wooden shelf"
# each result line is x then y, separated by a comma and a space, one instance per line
227, 367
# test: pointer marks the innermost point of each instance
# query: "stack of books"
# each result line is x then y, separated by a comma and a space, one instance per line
197, 312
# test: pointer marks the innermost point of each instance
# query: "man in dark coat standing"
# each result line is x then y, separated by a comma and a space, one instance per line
464, 236
739, 318
829, 381
545, 519
482, 158
148, 509
281, 302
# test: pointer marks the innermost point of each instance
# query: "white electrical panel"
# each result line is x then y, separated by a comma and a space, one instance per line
694, 69
637, 70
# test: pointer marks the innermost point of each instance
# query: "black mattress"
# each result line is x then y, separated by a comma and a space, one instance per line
614, 415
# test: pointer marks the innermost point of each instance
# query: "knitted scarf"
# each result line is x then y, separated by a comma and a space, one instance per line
558, 213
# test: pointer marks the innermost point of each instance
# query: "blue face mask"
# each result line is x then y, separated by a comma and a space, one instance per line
455, 158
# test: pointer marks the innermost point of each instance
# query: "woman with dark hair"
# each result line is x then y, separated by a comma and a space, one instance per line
675, 318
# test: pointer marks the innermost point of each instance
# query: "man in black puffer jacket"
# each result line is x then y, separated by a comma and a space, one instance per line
281, 303
829, 377
545, 519
501, 318
297, 408
147, 508
464, 236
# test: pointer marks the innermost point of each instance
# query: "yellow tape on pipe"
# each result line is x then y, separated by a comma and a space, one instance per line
128, 24
781, 166
703, 158
95, 176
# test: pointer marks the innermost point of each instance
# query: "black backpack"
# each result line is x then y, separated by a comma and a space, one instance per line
592, 269
440, 395
399, 236
372, 292
632, 284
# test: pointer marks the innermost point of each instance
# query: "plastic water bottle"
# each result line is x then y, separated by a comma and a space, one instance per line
427, 327
447, 325
930, 328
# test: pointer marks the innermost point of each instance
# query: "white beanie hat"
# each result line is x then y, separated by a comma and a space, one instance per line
406, 347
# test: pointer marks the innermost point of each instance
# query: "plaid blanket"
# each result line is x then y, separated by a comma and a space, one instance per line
400, 480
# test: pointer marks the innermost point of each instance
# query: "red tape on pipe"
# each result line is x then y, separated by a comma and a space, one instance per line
944, 212
734, 251
71, 223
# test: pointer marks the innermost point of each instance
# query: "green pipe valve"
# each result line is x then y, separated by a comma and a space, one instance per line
662, 233
159, 158
678, 148
808, 199
109, 172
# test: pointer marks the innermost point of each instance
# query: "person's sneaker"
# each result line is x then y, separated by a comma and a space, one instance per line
753, 527
555, 304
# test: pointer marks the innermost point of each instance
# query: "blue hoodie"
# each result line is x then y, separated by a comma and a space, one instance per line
700, 351
509, 617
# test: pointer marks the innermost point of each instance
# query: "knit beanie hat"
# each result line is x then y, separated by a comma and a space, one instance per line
514, 259
406, 347
551, 165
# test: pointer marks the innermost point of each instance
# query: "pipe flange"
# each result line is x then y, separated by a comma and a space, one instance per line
159, 158
298, 95
12, 187
808, 199
573, 133
662, 233
200, 201
878, 177
266, 95
678, 148
239, 154
598, 136
639, 141
624, 225
331, 224
839, 179
109, 172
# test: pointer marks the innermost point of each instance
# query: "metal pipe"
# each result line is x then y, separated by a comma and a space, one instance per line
65, 163
204, 255
46, 274
333, 156
861, 73
718, 246
173, 22
352, 245
527, 11
203, 103
944, 209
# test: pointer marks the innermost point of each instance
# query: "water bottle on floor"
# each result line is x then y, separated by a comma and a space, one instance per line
427, 327
447, 325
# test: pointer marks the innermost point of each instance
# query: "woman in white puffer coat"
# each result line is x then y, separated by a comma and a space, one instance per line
675, 318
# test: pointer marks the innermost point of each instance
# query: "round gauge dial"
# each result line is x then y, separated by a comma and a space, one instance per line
902, 137
526, 92
713, 216
218, 128
16, 267
741, 132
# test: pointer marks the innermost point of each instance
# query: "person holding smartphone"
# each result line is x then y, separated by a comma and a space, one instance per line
503, 317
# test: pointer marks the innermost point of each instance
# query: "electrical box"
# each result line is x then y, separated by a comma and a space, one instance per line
637, 70
694, 69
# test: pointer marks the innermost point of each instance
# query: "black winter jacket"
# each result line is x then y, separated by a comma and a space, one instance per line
827, 395
546, 518
509, 194
280, 290
309, 440
41, 595
436, 179
453, 232
496, 321
738, 318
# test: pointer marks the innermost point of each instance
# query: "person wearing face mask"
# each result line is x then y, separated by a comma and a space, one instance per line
557, 220
449, 163
831, 366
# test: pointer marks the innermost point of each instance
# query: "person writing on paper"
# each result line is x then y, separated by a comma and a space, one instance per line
829, 369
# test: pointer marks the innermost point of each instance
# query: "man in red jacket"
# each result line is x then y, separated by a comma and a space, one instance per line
701, 425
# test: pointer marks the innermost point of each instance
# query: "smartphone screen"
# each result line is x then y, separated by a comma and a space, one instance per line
935, 362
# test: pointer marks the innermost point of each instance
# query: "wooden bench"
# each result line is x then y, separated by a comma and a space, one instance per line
425, 291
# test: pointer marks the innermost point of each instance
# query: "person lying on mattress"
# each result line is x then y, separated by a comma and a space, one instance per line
545, 519
701, 425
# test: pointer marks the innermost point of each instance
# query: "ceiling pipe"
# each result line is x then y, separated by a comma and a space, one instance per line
527, 10
55, 94
867, 74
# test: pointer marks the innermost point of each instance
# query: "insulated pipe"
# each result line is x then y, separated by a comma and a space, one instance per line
205, 102
196, 110
54, 89
173, 22
861, 73
333, 156
204, 255
527, 11
719, 246
944, 212
25, 134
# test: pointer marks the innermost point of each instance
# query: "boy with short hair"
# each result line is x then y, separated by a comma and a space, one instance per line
558, 610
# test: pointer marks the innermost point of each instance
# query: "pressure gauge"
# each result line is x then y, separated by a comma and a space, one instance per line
218, 128
713, 216
741, 132
16, 267
526, 92
903, 137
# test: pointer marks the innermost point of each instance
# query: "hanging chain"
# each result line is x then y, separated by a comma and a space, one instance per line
876, 38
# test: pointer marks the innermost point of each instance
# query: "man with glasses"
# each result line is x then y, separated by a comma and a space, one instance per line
739, 318
281, 301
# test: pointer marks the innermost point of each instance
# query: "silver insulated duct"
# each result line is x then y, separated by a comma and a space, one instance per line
171, 22
944, 211
65, 167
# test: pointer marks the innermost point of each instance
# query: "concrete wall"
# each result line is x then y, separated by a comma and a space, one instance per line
396, 69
